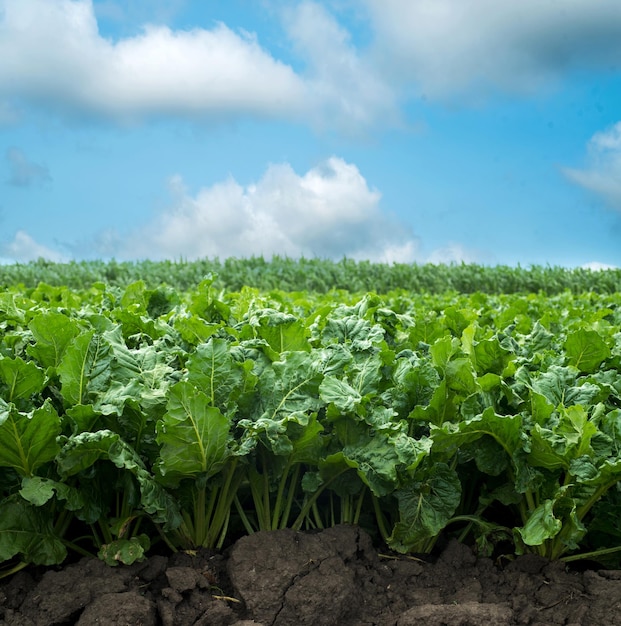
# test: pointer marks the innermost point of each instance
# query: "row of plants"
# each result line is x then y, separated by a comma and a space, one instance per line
316, 275
134, 417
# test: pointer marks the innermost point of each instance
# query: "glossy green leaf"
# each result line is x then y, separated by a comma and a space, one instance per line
22, 378
193, 435
28, 439
586, 350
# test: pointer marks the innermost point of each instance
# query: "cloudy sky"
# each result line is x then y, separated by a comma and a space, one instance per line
391, 130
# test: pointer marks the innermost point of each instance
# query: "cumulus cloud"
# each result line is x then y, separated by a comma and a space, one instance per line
330, 211
603, 173
23, 172
452, 47
52, 53
24, 248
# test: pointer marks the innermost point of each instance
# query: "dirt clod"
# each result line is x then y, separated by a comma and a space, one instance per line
329, 578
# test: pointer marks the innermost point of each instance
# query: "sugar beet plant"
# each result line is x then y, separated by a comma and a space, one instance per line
133, 417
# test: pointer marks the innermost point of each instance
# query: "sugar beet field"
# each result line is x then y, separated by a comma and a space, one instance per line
241, 421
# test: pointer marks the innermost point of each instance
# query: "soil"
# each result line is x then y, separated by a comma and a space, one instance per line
334, 577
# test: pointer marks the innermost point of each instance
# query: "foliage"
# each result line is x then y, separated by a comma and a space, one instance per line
130, 416
315, 275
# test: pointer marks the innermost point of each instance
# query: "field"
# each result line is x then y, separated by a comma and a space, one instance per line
194, 424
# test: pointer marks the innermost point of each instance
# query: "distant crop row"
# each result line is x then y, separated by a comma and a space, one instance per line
316, 275
134, 416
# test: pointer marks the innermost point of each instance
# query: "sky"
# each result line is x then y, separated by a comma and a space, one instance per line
427, 131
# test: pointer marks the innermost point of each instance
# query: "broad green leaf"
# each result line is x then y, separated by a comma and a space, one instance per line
290, 385
489, 356
28, 439
282, 331
379, 458
340, 393
212, 370
354, 331
506, 430
28, 532
193, 435
53, 332
83, 417
560, 385
80, 452
23, 378
193, 329
443, 350
38, 491
541, 525
85, 368
9, 308
586, 350
460, 377
426, 505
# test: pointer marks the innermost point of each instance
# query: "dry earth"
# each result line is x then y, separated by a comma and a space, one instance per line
334, 577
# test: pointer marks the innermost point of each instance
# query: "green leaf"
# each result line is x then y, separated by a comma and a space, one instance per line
560, 385
290, 385
85, 368
126, 551
23, 378
359, 334
193, 436
82, 451
541, 525
379, 458
212, 370
53, 332
426, 505
38, 491
27, 531
282, 331
340, 393
28, 439
506, 430
586, 350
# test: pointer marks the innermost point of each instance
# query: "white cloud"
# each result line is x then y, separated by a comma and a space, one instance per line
452, 253
457, 47
330, 211
23, 172
603, 173
596, 266
54, 56
24, 248
52, 53
342, 82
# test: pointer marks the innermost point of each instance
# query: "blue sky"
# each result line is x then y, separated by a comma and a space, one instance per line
391, 130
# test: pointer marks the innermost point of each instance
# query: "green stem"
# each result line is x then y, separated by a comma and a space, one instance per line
379, 516
13, 570
293, 483
76, 548
317, 516
200, 514
219, 518
311, 501
242, 515
279, 496
590, 555
359, 506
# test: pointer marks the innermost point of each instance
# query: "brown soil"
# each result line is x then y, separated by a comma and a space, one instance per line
334, 577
